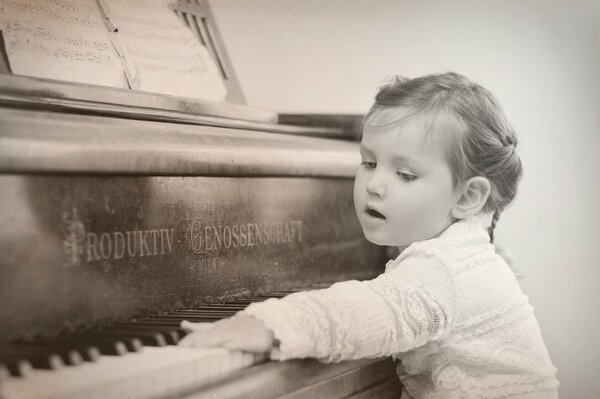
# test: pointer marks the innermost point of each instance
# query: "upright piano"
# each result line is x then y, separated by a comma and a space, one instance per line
123, 213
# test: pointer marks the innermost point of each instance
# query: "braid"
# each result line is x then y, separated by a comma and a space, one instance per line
495, 218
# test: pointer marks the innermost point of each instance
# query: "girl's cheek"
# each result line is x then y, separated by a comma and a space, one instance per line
359, 185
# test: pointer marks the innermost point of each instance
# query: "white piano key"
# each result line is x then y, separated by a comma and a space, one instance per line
153, 373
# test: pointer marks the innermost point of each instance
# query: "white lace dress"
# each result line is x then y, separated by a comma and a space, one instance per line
449, 308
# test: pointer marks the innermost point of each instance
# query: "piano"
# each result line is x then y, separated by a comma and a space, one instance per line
120, 220
123, 213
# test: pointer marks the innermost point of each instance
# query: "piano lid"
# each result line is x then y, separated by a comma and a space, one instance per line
77, 98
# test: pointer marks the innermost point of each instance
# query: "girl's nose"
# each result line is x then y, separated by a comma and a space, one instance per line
375, 185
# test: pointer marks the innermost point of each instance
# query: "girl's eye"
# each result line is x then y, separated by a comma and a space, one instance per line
407, 176
369, 164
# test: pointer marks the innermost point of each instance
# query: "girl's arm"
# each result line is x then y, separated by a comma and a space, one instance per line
400, 310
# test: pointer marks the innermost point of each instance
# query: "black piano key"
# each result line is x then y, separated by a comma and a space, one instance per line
148, 338
206, 309
107, 346
174, 331
246, 300
219, 307
38, 359
225, 312
69, 356
121, 344
239, 302
174, 323
18, 368
204, 319
89, 353
208, 313
170, 334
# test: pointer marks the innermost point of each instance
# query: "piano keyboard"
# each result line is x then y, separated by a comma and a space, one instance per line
151, 373
135, 359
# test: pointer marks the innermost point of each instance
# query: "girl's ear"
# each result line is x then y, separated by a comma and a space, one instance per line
473, 197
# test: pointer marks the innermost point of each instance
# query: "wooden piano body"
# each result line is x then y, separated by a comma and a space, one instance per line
117, 205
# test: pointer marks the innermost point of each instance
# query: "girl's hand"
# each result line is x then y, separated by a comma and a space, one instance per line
244, 333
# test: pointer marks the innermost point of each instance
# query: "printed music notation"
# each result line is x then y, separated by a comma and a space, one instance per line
68, 40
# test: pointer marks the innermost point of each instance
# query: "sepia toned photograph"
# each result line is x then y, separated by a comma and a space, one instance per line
299, 199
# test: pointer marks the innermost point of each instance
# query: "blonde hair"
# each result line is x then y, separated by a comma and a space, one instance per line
485, 143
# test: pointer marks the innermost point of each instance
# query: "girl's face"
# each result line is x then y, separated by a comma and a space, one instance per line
403, 190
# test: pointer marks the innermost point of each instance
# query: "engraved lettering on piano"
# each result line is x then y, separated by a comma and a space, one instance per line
89, 246
131, 243
75, 234
206, 238
205, 266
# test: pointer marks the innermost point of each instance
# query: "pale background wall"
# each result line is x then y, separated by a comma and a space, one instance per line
542, 60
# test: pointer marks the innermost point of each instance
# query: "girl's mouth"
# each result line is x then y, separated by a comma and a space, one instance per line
374, 213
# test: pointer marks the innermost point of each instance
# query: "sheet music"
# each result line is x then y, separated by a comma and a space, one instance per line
68, 40
168, 57
61, 39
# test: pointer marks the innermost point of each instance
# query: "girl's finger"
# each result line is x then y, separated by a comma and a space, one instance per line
188, 340
200, 339
189, 326
254, 343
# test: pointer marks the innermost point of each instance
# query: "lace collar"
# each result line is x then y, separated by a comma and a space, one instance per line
460, 237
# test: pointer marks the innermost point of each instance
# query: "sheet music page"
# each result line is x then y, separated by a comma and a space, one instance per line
68, 40
168, 57
60, 39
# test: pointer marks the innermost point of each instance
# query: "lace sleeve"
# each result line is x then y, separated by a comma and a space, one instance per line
401, 309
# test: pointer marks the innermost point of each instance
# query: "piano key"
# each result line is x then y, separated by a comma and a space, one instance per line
247, 300
155, 325
172, 335
207, 310
205, 318
160, 328
169, 371
174, 323
148, 338
37, 360
69, 356
220, 307
88, 352
240, 302
121, 345
106, 345
207, 313
18, 368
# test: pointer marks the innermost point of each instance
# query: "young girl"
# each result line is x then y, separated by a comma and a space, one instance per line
438, 168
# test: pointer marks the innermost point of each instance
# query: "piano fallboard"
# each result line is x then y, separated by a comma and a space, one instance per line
92, 249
